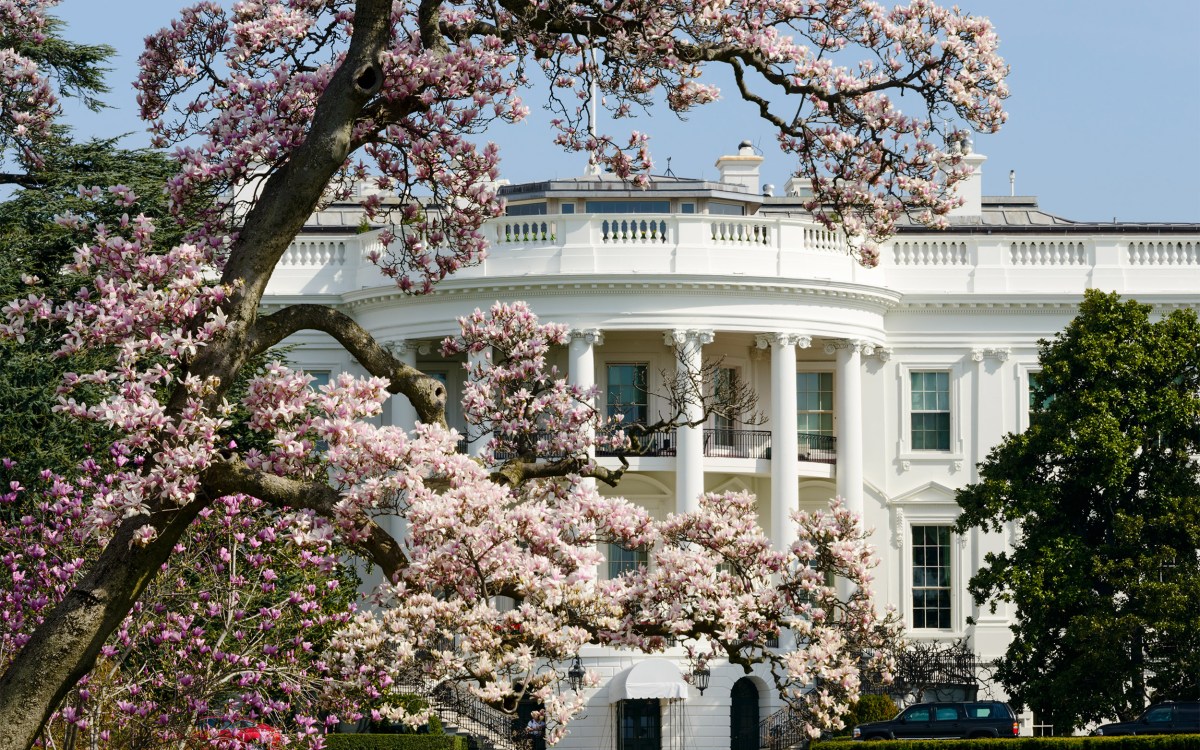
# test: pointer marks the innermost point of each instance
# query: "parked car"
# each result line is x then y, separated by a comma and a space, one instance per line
1171, 717
964, 719
247, 731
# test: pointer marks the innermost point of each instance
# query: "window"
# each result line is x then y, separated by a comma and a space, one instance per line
930, 411
622, 560
726, 209
814, 403
724, 389
566, 208
526, 209
946, 713
687, 208
626, 393
320, 378
629, 207
917, 713
931, 577
640, 723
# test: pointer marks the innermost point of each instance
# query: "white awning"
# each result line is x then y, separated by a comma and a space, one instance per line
652, 678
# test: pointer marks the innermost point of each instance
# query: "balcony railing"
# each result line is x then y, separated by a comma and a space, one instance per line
810, 446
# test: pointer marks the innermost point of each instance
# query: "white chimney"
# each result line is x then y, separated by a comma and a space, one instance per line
971, 189
741, 169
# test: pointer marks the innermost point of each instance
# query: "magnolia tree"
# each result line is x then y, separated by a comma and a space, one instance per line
287, 103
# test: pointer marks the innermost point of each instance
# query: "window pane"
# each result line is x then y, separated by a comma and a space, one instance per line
526, 209
814, 402
931, 576
626, 393
629, 207
930, 411
622, 560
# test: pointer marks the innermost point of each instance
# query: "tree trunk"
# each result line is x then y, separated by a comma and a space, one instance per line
65, 646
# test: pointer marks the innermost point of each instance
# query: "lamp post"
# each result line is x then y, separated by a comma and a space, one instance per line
576, 674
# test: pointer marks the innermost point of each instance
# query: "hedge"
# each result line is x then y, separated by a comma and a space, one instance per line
1139, 742
395, 742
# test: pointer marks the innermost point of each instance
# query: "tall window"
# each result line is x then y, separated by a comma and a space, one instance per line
931, 577
930, 411
814, 402
639, 725
622, 560
724, 389
626, 395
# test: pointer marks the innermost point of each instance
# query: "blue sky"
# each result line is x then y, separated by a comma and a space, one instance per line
1104, 115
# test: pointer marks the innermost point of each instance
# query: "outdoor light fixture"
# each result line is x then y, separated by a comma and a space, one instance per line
700, 679
576, 674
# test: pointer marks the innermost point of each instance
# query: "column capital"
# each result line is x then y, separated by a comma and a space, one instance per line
593, 336
400, 347
681, 336
884, 353
998, 353
776, 338
860, 346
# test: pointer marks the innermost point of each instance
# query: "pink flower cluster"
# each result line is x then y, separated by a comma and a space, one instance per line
28, 104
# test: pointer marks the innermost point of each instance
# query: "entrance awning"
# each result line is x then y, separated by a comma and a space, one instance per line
652, 678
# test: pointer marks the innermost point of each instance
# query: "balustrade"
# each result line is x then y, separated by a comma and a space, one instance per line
633, 230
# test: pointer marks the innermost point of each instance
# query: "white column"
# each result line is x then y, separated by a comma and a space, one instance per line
581, 359
477, 435
849, 412
403, 415
689, 459
785, 474
581, 366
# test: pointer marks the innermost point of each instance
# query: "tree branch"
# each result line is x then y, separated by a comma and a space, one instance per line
232, 477
428, 395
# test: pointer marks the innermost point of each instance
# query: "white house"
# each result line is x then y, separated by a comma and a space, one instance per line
885, 386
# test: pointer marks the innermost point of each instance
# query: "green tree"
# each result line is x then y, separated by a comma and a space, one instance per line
1104, 489
35, 249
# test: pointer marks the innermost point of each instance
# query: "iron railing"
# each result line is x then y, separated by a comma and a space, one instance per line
503, 730
718, 443
782, 730
455, 704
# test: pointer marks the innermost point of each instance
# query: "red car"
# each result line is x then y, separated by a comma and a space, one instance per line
246, 731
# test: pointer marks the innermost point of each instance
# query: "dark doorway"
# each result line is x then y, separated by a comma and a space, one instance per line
743, 715
640, 723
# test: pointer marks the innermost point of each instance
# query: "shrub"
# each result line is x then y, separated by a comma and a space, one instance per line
395, 742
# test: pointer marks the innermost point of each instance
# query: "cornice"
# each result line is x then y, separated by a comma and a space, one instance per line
875, 299
1028, 304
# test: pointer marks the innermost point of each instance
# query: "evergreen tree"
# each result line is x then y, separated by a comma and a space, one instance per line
1105, 489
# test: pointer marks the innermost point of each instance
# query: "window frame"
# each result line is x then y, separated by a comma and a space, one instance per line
952, 568
639, 557
914, 412
904, 450
645, 391
833, 421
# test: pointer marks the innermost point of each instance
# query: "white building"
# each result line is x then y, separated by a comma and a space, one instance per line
885, 386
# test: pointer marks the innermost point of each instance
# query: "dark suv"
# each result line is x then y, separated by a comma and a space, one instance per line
969, 719
1172, 717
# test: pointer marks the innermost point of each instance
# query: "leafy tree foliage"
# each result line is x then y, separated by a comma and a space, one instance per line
1104, 489
277, 105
